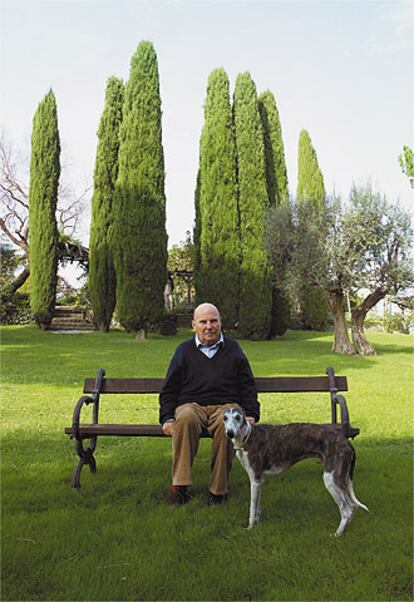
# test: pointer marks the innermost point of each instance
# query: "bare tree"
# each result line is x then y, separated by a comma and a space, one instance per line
14, 207
14, 192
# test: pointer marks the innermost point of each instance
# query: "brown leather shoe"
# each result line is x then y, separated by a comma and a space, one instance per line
178, 495
216, 500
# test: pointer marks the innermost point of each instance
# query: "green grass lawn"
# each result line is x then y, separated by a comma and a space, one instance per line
117, 539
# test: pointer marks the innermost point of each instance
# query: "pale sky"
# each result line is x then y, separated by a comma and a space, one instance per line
343, 70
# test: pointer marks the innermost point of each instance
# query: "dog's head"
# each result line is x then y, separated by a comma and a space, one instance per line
234, 421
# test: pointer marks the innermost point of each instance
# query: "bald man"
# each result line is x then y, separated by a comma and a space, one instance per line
207, 374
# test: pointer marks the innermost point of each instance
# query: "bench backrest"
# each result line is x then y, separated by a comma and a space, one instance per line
277, 384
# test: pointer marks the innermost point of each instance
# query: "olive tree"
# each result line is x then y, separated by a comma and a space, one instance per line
378, 235
362, 246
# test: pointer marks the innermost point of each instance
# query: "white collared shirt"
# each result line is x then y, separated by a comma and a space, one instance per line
209, 351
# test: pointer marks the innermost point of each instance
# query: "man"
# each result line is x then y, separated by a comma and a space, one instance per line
207, 374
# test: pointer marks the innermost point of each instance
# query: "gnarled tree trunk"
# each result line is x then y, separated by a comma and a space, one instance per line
20, 280
342, 343
358, 315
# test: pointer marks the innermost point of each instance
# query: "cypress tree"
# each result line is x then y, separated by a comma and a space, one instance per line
277, 190
140, 238
276, 172
311, 189
216, 205
102, 281
255, 280
43, 193
196, 239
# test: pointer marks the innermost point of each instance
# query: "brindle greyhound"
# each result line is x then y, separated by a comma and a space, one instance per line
273, 449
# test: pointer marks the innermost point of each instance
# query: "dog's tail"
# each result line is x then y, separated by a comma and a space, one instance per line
350, 493
346, 425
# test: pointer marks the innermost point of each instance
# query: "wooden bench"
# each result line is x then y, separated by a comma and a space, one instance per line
144, 386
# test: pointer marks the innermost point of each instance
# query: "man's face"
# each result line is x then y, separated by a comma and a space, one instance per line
207, 325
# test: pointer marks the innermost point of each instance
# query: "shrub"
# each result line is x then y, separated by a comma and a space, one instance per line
373, 324
399, 323
166, 325
14, 308
281, 311
315, 312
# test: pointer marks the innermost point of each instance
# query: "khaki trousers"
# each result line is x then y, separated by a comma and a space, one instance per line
190, 420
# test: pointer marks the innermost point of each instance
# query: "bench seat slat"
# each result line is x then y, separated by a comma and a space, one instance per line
282, 384
298, 384
145, 430
121, 430
125, 385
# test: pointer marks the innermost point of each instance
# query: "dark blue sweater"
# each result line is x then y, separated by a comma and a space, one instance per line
193, 377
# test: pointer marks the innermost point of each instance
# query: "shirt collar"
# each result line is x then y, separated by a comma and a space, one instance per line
200, 344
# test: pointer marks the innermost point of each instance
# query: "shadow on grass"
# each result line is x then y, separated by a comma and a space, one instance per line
117, 539
144, 463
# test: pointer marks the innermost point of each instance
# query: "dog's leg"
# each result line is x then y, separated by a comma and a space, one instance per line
255, 510
258, 510
338, 495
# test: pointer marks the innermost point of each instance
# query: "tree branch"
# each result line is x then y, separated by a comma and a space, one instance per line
20, 280
22, 244
369, 302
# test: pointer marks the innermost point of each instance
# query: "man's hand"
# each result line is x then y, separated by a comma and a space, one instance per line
168, 429
250, 420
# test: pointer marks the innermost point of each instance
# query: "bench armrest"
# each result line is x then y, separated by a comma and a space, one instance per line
337, 399
86, 400
345, 422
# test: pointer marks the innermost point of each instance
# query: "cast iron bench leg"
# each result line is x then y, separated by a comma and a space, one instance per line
86, 457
